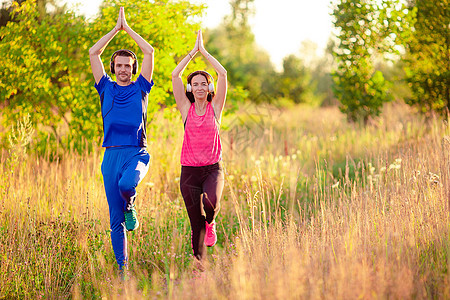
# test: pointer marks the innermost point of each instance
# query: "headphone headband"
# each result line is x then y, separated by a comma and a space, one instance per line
200, 72
135, 64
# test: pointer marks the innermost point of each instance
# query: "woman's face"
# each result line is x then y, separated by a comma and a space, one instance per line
199, 87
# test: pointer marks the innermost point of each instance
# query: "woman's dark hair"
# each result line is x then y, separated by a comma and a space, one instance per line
209, 80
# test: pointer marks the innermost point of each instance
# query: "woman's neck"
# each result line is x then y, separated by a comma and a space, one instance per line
200, 106
200, 103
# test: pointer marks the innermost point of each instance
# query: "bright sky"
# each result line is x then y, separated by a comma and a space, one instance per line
279, 26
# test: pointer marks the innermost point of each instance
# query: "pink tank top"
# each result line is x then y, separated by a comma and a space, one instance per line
201, 144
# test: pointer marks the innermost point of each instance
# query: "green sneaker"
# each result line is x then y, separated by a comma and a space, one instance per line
123, 274
131, 221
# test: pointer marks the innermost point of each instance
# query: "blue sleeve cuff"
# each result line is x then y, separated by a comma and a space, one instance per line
145, 85
102, 83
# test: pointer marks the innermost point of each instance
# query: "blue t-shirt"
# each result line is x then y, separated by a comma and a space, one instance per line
124, 111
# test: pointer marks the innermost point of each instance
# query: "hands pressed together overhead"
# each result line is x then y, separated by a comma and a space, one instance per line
199, 45
98, 48
121, 21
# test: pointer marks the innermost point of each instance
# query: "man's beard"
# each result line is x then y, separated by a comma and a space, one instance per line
123, 78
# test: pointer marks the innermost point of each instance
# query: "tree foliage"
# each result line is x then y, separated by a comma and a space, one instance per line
305, 77
295, 81
46, 71
428, 57
368, 30
7, 7
43, 75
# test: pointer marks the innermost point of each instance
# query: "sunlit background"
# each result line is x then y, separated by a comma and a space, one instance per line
335, 138
279, 27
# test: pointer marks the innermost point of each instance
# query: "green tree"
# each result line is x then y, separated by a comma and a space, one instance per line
7, 7
294, 83
46, 71
319, 68
367, 30
428, 57
42, 69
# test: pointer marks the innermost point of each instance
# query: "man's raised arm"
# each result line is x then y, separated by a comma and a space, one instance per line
146, 48
94, 53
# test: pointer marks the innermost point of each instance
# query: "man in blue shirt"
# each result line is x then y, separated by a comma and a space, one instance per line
124, 112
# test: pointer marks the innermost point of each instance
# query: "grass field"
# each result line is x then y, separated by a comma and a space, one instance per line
313, 208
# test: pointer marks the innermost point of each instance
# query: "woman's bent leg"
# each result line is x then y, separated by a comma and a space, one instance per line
212, 192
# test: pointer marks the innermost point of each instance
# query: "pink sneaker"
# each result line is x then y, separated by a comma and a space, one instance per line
210, 234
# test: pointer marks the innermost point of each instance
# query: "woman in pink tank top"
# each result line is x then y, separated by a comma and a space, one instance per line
202, 179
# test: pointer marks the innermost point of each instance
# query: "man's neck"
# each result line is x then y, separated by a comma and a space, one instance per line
123, 83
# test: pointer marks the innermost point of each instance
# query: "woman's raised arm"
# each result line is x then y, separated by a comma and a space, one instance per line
222, 84
182, 101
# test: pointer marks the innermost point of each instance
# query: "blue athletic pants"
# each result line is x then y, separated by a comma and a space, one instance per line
122, 168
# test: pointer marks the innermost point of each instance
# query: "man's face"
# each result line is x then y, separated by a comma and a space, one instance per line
123, 66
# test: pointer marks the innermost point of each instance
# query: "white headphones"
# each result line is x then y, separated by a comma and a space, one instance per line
210, 86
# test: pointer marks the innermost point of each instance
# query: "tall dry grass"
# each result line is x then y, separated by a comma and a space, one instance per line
313, 208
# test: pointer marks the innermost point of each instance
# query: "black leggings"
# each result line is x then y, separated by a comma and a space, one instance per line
197, 184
